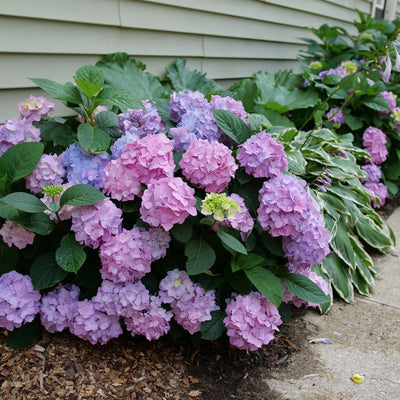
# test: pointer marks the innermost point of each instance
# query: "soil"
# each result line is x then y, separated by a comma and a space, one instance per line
61, 366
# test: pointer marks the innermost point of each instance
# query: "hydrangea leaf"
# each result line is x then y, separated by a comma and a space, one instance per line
121, 98
267, 283
9, 257
231, 242
95, 140
21, 337
376, 103
303, 287
88, 88
106, 119
182, 232
81, 195
232, 125
213, 329
9, 212
21, 159
45, 272
90, 74
70, 256
24, 202
200, 256
61, 92
39, 223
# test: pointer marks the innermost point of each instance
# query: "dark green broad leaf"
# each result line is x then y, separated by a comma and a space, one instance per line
246, 90
121, 71
45, 272
258, 122
353, 122
3, 180
200, 256
21, 159
239, 282
11, 213
182, 232
63, 135
106, 119
21, 337
183, 78
303, 287
248, 261
39, 223
213, 329
9, 257
266, 283
81, 195
231, 242
90, 79
338, 272
93, 139
68, 93
377, 103
121, 98
24, 202
70, 256
232, 125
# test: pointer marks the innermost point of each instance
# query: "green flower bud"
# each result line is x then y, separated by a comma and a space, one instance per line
316, 65
349, 66
52, 190
220, 206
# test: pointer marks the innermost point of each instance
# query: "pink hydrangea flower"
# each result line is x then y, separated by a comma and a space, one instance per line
337, 116
182, 138
58, 307
34, 107
251, 321
93, 325
158, 239
150, 157
374, 142
391, 100
19, 302
166, 202
218, 102
49, 171
120, 182
152, 322
15, 234
211, 166
262, 156
379, 190
125, 256
176, 286
97, 223
65, 211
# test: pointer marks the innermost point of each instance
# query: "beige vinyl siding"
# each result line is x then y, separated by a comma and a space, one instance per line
227, 39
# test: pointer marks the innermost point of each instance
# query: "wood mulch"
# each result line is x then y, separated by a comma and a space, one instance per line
61, 366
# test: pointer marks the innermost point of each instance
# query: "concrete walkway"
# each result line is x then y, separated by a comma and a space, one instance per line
365, 341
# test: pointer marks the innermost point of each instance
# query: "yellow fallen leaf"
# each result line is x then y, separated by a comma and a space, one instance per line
357, 378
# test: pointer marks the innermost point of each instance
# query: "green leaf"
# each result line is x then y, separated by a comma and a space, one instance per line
90, 73
24, 202
39, 223
120, 98
21, 337
213, 329
9, 257
341, 244
120, 71
70, 256
232, 125
61, 92
377, 103
184, 79
248, 261
11, 213
258, 122
303, 287
88, 88
45, 272
200, 256
338, 272
63, 135
21, 159
106, 119
81, 195
232, 242
267, 283
182, 232
94, 139
372, 234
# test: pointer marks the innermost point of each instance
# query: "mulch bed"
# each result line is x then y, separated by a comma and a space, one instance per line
61, 366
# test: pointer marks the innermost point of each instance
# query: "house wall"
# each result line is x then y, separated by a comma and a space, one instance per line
227, 39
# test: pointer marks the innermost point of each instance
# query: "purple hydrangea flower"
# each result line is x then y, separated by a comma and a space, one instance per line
182, 102
262, 156
336, 116
251, 321
125, 256
202, 124
176, 285
34, 107
379, 190
158, 239
150, 157
93, 325
119, 182
211, 166
19, 302
17, 130
191, 312
166, 202
182, 138
228, 103
153, 322
15, 234
120, 144
49, 171
374, 172
140, 123
97, 223
391, 100
83, 167
58, 307
374, 142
